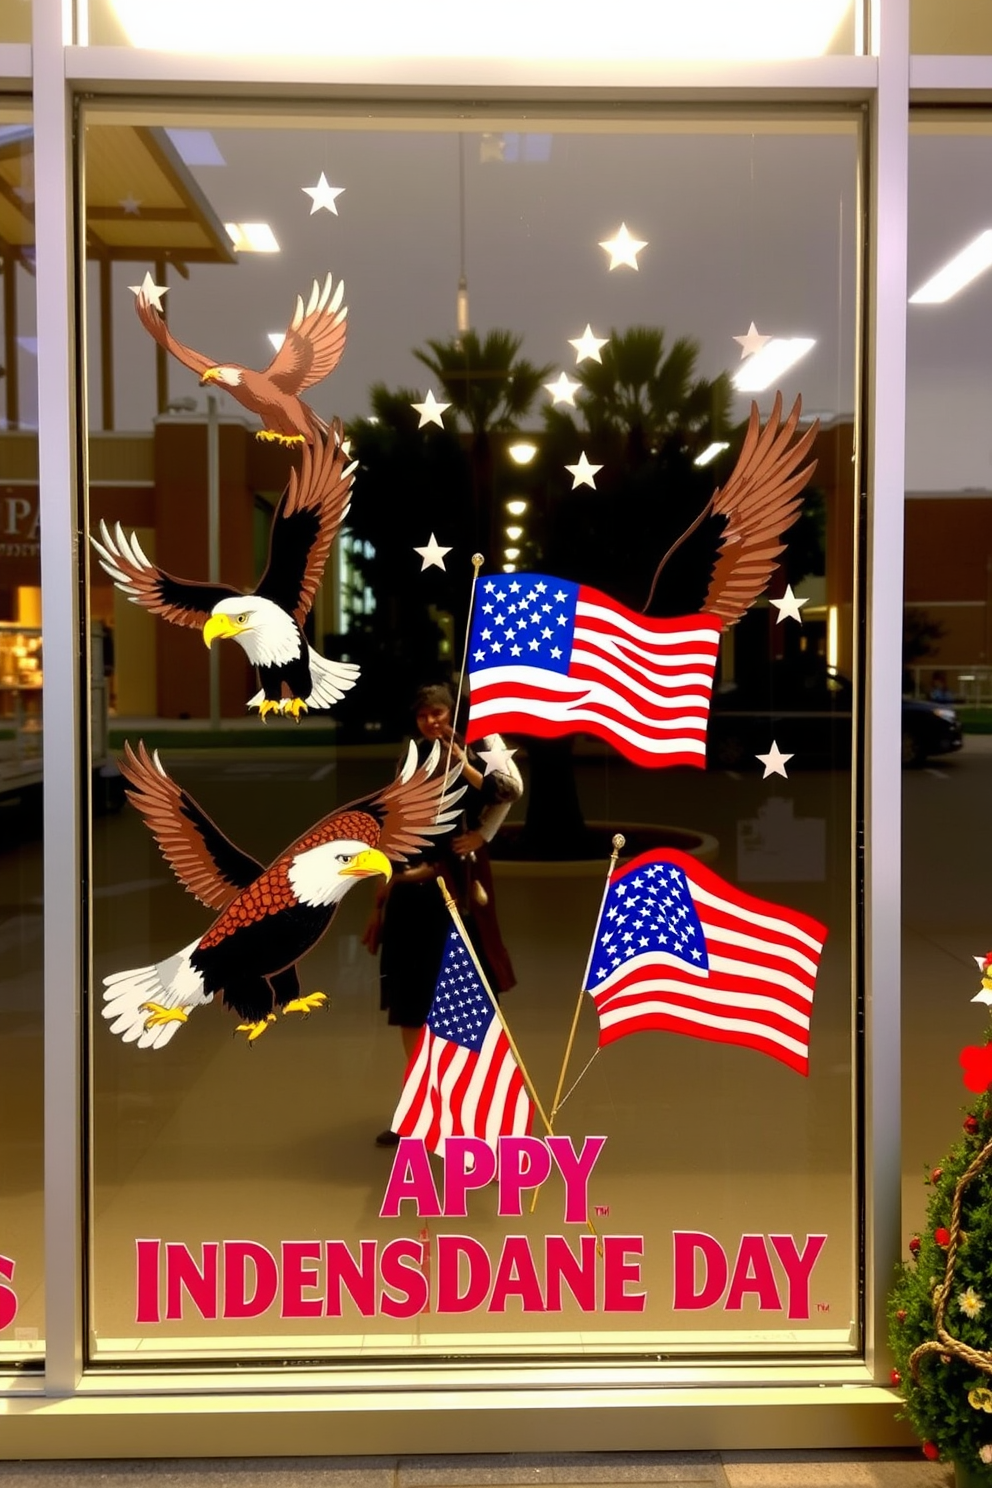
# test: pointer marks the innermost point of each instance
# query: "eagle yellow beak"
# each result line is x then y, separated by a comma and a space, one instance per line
212, 374
365, 863
223, 626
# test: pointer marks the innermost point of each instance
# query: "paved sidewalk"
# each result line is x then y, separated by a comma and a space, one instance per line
833, 1469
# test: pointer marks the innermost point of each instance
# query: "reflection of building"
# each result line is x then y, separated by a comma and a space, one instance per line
949, 574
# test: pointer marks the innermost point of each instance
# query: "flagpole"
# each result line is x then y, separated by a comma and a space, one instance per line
618, 843
477, 561
459, 926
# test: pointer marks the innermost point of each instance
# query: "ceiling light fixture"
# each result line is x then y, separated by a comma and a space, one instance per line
511, 552
768, 364
514, 532
517, 506
522, 453
711, 451
509, 568
252, 237
961, 270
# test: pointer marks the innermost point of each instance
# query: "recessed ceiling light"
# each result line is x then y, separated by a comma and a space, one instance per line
514, 532
522, 453
961, 270
516, 507
768, 364
252, 237
512, 552
711, 451
509, 568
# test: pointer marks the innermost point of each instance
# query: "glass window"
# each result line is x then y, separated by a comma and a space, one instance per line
947, 707
951, 27
556, 332
21, 914
709, 29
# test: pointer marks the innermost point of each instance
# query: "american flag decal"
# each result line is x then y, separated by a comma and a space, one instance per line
462, 1079
679, 948
549, 657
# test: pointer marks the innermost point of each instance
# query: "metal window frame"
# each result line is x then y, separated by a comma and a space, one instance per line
482, 1408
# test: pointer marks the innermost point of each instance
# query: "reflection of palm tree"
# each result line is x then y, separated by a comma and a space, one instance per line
491, 388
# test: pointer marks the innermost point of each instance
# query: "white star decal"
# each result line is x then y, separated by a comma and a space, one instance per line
751, 342
582, 473
623, 249
149, 291
430, 410
789, 606
556, 652
497, 760
130, 205
984, 996
774, 762
432, 554
323, 195
587, 345
564, 390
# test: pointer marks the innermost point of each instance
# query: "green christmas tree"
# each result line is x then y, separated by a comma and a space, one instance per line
940, 1309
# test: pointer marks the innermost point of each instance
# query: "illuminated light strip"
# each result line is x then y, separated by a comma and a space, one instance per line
707, 30
961, 270
768, 364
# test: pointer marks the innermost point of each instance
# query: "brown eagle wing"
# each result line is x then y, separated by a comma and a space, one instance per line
306, 522
759, 502
206, 863
314, 341
155, 324
421, 803
183, 601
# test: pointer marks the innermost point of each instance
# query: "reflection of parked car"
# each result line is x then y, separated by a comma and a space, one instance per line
808, 713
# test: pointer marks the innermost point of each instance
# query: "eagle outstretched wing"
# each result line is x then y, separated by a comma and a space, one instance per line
726, 557
155, 324
419, 804
183, 601
314, 341
206, 863
306, 522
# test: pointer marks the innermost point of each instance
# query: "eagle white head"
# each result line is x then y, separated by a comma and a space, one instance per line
323, 874
266, 634
229, 376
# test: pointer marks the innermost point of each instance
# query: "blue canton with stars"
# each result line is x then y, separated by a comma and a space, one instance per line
523, 620
648, 911
461, 1011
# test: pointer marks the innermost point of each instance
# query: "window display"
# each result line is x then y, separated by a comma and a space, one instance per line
21, 772
585, 681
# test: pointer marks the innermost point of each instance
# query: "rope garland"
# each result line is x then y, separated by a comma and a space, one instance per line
946, 1343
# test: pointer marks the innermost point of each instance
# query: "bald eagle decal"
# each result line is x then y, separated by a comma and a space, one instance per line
312, 347
267, 918
266, 624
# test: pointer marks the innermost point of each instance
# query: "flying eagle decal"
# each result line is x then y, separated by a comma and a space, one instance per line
726, 557
266, 624
267, 918
312, 348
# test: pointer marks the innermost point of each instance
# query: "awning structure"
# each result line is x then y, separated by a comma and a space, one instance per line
143, 206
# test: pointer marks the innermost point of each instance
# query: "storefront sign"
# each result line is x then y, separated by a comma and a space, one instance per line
8, 1297
453, 1273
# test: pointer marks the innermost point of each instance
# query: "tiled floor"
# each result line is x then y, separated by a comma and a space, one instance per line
708, 1469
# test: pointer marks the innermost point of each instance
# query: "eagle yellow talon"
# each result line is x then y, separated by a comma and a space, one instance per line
269, 436
267, 706
159, 1014
292, 708
255, 1030
306, 1005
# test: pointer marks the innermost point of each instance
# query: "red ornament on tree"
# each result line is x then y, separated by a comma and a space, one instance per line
942, 1236
914, 1245
971, 1125
901, 1315
936, 1175
931, 1450
896, 1377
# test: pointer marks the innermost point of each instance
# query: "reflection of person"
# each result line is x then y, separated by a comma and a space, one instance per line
410, 921
939, 691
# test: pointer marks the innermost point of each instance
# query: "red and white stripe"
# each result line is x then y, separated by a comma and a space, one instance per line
643, 685
758, 992
450, 1091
